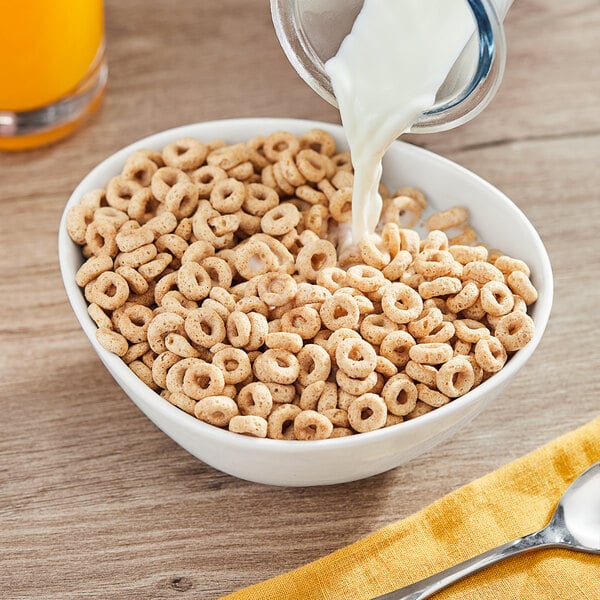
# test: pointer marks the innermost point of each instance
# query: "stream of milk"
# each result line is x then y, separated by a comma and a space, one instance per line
386, 72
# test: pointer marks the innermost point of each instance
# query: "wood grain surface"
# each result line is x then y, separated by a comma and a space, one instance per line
95, 502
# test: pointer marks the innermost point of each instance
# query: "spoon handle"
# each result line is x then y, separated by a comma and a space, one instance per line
426, 587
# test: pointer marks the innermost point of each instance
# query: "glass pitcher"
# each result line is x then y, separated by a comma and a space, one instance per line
311, 31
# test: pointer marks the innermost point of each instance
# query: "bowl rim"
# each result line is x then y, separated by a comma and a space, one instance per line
196, 427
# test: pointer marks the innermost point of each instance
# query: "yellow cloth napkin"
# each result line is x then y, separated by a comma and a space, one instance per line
515, 500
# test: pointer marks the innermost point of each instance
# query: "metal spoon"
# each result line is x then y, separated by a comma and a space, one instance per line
575, 525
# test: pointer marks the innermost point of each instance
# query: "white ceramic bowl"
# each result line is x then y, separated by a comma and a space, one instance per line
497, 220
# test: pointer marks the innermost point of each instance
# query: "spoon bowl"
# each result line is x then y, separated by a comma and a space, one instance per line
575, 525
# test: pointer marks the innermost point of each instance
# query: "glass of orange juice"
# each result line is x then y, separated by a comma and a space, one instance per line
52, 68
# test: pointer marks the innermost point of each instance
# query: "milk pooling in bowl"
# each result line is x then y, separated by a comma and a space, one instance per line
387, 72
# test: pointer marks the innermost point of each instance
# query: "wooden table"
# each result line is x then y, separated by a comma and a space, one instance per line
95, 502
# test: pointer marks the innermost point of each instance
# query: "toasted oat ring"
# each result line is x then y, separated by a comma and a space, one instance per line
99, 317
276, 289
507, 265
374, 328
92, 268
470, 330
428, 320
135, 352
228, 157
234, 364
173, 244
515, 330
255, 399
353, 385
164, 179
216, 410
277, 144
520, 284
181, 401
182, 199
356, 357
152, 269
136, 258
193, 281
365, 278
401, 303
435, 240
285, 340
371, 254
228, 195
161, 325
402, 210
466, 254
312, 425
453, 217
303, 320
140, 169
238, 329
433, 263
289, 170
281, 422
442, 333
440, 286
309, 293
431, 397
133, 322
176, 373
143, 372
455, 377
185, 154
318, 140
400, 395
340, 311
218, 271
496, 298
280, 219
465, 298
198, 251
206, 177
161, 365
490, 354
315, 256
431, 354
396, 347
259, 199
100, 236
482, 272
250, 425
367, 413
164, 222
119, 192
331, 278
340, 205
314, 364
422, 373
77, 221
109, 290
277, 366
127, 241
202, 380
398, 265
179, 344
142, 206
254, 258
312, 165
112, 341
312, 393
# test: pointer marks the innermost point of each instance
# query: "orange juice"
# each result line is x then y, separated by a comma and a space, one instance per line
47, 48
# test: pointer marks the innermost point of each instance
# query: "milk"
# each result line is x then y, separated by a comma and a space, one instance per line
388, 71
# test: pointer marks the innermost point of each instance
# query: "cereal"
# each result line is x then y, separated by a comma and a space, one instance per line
223, 276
